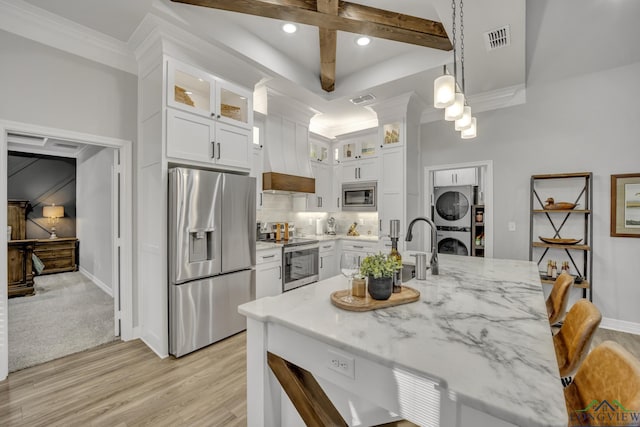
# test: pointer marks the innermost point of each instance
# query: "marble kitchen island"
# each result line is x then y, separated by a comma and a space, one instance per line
475, 350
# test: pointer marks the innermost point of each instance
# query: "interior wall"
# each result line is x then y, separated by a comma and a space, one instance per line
95, 214
43, 181
586, 122
49, 87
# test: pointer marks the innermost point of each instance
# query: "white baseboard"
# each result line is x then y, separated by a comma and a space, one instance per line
99, 283
159, 354
620, 325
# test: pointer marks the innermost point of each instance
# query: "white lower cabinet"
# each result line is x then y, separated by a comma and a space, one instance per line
328, 260
360, 248
268, 272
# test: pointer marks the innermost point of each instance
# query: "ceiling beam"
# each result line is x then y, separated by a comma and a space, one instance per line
328, 46
351, 17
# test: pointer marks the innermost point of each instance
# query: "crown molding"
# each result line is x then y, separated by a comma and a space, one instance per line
486, 101
31, 22
178, 43
333, 132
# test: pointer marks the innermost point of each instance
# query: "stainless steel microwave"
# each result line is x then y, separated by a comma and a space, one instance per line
360, 196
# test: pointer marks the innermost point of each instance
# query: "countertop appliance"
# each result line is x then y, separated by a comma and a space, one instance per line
331, 226
212, 255
360, 196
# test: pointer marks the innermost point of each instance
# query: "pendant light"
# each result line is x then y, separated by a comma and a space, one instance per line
455, 110
465, 121
471, 131
447, 93
444, 90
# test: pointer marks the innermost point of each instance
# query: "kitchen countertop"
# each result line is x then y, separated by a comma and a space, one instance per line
480, 326
323, 238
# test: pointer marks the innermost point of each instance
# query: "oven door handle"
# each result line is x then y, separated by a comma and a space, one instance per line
289, 249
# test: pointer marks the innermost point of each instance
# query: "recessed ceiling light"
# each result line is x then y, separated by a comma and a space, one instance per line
363, 41
289, 28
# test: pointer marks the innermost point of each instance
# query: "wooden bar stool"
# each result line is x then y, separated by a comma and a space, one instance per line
559, 297
573, 341
605, 388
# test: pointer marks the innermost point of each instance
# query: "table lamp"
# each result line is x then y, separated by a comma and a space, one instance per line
53, 213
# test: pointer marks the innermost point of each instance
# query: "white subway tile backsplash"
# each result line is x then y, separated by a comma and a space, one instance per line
279, 208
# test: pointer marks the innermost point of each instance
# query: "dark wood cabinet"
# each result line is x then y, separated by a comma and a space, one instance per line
19, 250
20, 267
57, 255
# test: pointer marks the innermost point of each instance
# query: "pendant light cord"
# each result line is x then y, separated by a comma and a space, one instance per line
453, 32
462, 46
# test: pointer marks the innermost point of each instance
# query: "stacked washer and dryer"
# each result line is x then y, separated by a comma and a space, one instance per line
452, 216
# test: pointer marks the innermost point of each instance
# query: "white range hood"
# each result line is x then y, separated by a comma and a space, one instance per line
287, 167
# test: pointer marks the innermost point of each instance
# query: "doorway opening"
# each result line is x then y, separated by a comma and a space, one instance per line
459, 198
101, 229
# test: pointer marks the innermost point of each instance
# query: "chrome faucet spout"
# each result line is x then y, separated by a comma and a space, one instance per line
434, 248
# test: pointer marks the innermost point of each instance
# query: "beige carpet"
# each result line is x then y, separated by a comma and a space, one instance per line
68, 314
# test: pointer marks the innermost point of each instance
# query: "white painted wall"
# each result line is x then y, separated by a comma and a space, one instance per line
584, 122
49, 87
94, 214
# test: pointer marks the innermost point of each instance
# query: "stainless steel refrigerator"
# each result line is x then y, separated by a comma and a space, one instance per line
212, 256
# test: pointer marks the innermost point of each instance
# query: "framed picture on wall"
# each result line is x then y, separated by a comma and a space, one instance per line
625, 205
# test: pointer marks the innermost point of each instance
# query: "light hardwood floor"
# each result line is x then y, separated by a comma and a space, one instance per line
126, 384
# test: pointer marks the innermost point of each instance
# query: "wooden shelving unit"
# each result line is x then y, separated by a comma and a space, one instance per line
477, 231
580, 255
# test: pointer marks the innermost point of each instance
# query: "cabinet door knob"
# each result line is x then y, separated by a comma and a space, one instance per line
218, 116
213, 114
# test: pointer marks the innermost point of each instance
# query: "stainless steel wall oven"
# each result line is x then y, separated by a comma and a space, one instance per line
300, 264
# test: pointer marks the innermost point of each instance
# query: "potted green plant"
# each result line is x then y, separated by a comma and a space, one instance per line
379, 270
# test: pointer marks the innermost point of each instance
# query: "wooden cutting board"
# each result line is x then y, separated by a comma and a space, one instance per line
367, 303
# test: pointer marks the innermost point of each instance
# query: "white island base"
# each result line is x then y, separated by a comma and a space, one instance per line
475, 351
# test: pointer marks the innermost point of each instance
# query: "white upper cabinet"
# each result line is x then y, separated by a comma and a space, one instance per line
209, 121
363, 170
195, 138
199, 92
190, 89
235, 105
356, 149
451, 177
319, 151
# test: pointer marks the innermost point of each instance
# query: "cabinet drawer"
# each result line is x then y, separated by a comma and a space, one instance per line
269, 255
327, 246
360, 246
57, 255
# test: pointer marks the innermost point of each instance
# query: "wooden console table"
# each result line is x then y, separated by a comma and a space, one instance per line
57, 255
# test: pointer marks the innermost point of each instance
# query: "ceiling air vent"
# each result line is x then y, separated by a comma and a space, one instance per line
362, 99
500, 37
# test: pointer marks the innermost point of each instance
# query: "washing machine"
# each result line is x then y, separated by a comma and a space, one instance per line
452, 242
452, 206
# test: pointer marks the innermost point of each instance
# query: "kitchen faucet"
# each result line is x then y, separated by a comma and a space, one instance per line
434, 249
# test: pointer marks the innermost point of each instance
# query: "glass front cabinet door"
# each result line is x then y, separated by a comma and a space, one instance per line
190, 89
235, 105
199, 92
